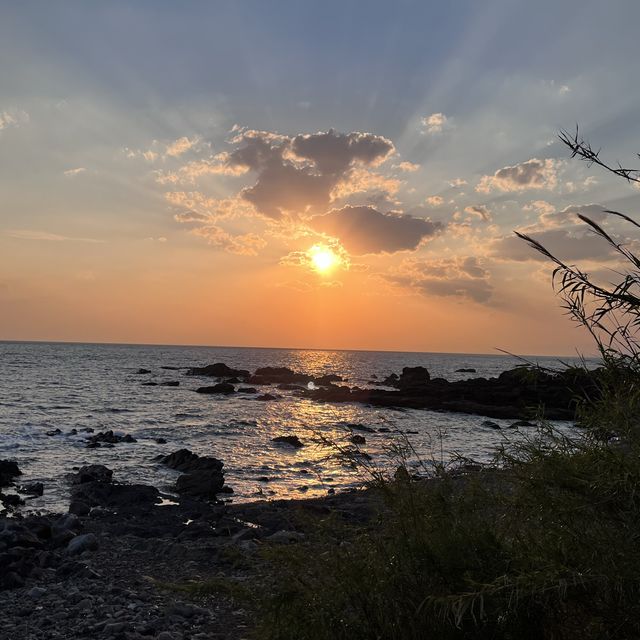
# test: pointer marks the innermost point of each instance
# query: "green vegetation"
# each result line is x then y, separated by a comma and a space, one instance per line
544, 544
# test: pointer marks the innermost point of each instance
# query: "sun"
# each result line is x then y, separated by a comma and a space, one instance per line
323, 258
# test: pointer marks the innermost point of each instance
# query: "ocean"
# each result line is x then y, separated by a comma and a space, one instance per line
50, 386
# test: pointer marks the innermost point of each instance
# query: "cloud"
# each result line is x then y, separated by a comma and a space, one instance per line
463, 277
45, 236
532, 174
569, 215
457, 182
409, 167
180, 146
247, 244
363, 230
13, 118
479, 211
435, 123
297, 175
435, 201
70, 173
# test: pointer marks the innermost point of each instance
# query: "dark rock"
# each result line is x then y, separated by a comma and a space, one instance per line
413, 376
79, 508
160, 441
289, 386
358, 439
92, 473
108, 437
265, 397
149, 384
33, 489
218, 370
81, 543
169, 368
221, 387
201, 484
360, 427
327, 379
247, 390
8, 471
490, 424
54, 432
185, 460
143, 371
466, 370
278, 375
170, 383
521, 423
10, 501
294, 441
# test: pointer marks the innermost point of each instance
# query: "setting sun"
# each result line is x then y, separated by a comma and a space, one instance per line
323, 258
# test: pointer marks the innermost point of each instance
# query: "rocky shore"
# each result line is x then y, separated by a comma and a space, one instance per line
119, 563
516, 394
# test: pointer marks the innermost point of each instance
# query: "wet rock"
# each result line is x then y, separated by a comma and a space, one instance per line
11, 500
185, 460
92, 473
143, 372
278, 375
289, 386
201, 484
293, 441
247, 390
490, 424
266, 397
32, 489
469, 370
521, 423
218, 370
53, 432
160, 441
8, 471
358, 439
327, 379
221, 387
149, 384
109, 437
170, 383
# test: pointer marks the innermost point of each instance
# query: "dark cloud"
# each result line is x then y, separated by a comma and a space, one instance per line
463, 277
333, 153
296, 176
364, 230
532, 174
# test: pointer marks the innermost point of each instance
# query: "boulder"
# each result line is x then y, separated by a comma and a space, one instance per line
293, 441
185, 460
358, 439
327, 379
32, 489
142, 372
221, 387
108, 437
218, 370
201, 484
92, 473
170, 383
8, 471
278, 375
265, 397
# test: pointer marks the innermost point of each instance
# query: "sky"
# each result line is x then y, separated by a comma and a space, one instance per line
336, 174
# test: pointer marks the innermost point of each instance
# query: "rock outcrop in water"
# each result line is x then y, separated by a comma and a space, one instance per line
516, 393
202, 477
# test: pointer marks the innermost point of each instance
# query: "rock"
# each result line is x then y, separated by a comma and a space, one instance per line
79, 508
81, 543
221, 387
218, 370
469, 370
33, 489
247, 390
143, 371
490, 424
36, 593
108, 437
160, 441
521, 423
68, 522
265, 397
358, 439
327, 379
413, 376
149, 384
185, 460
92, 473
278, 375
285, 537
10, 501
360, 427
170, 383
293, 441
200, 484
54, 432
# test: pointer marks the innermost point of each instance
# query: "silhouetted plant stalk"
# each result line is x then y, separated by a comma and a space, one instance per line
611, 313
